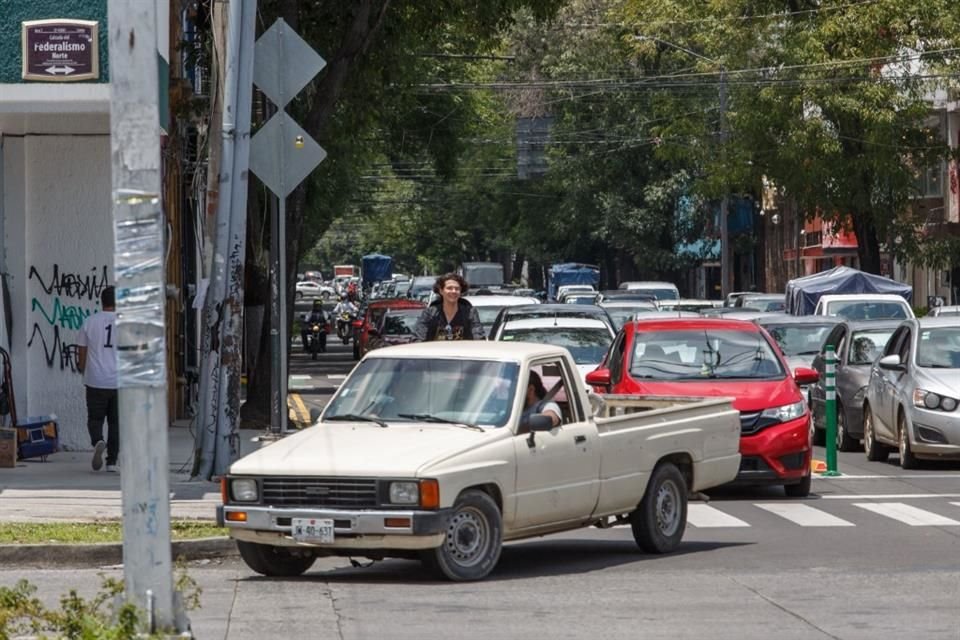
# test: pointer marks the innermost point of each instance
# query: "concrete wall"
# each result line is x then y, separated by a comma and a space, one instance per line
59, 240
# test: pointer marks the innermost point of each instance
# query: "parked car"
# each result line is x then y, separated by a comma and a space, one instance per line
459, 468
714, 357
913, 393
309, 289
856, 346
548, 310
587, 339
864, 306
371, 318
660, 290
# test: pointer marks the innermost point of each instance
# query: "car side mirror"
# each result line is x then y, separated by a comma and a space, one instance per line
599, 378
891, 363
805, 376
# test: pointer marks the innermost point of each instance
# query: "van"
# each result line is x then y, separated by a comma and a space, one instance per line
660, 290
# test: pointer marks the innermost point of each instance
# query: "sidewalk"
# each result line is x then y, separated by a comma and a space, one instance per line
65, 488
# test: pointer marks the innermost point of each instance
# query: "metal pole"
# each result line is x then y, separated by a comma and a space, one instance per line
140, 334
725, 254
831, 410
278, 289
220, 384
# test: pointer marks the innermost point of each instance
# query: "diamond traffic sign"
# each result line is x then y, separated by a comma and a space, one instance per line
283, 63
282, 154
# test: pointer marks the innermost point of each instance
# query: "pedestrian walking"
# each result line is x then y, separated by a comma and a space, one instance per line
450, 317
97, 361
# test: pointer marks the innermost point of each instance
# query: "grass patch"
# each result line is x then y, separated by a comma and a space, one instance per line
91, 532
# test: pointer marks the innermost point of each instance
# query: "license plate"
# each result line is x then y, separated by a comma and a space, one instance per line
313, 530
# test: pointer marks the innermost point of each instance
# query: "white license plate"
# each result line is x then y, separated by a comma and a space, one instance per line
313, 530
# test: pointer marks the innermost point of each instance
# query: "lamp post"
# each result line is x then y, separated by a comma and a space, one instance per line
725, 255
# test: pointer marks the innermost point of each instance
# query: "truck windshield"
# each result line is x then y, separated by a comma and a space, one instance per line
393, 389
700, 354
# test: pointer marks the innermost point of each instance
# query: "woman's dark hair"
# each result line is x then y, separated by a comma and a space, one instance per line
538, 389
442, 280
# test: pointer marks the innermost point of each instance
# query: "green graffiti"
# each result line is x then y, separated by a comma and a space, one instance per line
66, 316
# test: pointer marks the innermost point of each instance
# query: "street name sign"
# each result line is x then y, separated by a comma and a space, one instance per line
60, 50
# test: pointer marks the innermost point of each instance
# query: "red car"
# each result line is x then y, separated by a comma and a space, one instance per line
711, 357
371, 318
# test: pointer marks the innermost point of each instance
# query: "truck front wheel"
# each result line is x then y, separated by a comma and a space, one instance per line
472, 541
660, 520
274, 561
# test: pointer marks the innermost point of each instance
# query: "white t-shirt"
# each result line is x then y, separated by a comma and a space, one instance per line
98, 335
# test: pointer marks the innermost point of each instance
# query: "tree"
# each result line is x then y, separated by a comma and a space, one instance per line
829, 100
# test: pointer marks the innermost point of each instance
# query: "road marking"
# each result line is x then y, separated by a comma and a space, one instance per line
704, 516
299, 408
805, 515
912, 476
889, 496
908, 515
337, 376
300, 376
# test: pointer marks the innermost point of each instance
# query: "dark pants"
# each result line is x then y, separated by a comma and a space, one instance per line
102, 403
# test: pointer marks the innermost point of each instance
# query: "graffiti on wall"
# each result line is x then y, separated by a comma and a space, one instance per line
59, 309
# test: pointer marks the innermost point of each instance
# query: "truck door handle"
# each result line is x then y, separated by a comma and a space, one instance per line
579, 439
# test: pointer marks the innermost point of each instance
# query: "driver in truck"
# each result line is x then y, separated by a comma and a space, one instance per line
535, 402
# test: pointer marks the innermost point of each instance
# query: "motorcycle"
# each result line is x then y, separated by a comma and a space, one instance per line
315, 339
345, 326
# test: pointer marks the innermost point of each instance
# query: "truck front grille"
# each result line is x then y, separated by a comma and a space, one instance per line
325, 492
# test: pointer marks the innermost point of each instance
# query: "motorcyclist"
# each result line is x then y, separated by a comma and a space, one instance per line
316, 316
345, 306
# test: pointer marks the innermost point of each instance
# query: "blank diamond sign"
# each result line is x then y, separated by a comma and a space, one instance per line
284, 63
282, 154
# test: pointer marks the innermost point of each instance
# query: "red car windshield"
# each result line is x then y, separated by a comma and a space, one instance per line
703, 354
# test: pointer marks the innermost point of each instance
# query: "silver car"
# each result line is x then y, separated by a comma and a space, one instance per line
913, 394
857, 345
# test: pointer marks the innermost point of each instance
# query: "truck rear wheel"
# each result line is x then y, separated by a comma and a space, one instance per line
471, 546
273, 561
660, 520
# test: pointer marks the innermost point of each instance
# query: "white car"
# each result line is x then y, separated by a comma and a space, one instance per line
311, 289
568, 289
488, 306
660, 290
864, 306
587, 339
621, 312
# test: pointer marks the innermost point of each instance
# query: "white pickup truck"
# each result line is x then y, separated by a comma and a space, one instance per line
424, 452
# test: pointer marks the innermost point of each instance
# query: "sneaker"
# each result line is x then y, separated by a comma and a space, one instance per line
98, 450
111, 468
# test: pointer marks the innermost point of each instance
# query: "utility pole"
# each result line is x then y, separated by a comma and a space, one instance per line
725, 253
219, 412
138, 228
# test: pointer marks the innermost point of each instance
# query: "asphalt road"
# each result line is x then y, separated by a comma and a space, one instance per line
870, 555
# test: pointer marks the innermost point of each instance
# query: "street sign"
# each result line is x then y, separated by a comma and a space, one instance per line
282, 154
283, 63
60, 50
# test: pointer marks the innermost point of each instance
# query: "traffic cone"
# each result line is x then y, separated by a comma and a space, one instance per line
818, 466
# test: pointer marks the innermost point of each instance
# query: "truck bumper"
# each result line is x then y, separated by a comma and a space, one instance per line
353, 529
776, 455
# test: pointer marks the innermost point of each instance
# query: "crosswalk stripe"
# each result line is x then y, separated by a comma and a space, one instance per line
805, 515
703, 516
908, 515
337, 376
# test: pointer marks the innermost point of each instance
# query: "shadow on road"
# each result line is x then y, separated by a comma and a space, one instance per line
538, 559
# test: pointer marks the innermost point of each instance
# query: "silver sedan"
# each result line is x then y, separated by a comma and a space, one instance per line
913, 394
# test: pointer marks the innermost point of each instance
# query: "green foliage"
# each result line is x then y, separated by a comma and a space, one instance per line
103, 617
93, 532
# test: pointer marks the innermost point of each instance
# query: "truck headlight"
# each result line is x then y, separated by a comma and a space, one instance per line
786, 412
404, 493
244, 489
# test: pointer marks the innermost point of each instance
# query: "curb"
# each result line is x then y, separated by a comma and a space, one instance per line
106, 553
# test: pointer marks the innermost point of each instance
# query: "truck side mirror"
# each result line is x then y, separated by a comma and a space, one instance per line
536, 422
